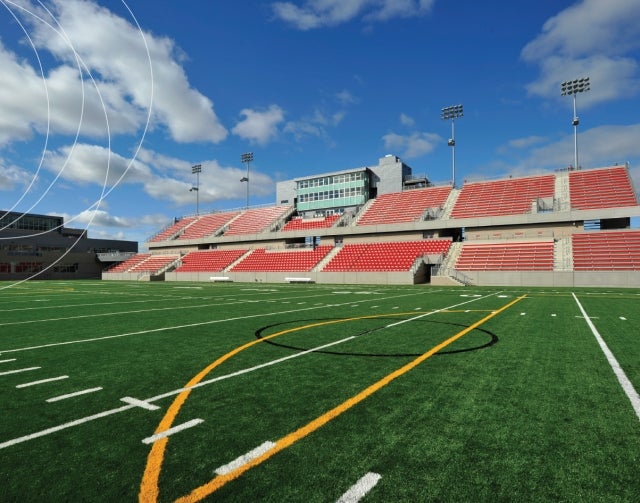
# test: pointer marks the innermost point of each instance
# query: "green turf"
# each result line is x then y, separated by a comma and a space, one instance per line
525, 407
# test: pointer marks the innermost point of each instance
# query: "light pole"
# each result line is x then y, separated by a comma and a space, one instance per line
452, 113
196, 170
572, 88
246, 158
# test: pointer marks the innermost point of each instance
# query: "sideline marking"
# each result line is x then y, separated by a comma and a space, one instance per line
17, 371
171, 431
360, 489
624, 381
7, 361
72, 395
143, 404
149, 489
41, 381
245, 458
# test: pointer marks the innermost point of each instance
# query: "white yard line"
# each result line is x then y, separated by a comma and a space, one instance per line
171, 431
72, 395
360, 489
17, 371
41, 381
245, 458
177, 327
624, 381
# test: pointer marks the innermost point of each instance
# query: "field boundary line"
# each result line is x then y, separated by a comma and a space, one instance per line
624, 381
149, 491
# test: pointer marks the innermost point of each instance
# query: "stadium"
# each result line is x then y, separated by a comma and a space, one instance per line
381, 224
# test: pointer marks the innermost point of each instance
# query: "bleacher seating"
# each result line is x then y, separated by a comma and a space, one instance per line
606, 251
526, 256
406, 206
172, 230
282, 260
601, 188
130, 262
255, 220
511, 196
385, 256
207, 224
153, 263
299, 223
209, 260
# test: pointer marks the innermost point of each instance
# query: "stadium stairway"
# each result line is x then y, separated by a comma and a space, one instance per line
449, 203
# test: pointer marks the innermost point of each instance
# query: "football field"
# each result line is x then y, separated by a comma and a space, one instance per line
125, 391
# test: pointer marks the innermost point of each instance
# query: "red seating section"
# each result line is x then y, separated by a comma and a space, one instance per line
397, 256
606, 251
502, 197
172, 230
130, 262
282, 260
207, 224
298, 223
255, 220
406, 206
153, 263
209, 260
536, 256
601, 188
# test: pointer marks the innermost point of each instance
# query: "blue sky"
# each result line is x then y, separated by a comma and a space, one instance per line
106, 105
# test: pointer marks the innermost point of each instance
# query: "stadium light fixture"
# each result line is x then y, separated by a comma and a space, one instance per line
572, 88
196, 170
246, 158
452, 113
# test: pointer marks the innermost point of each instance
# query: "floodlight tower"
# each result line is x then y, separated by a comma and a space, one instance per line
452, 113
572, 88
196, 170
246, 158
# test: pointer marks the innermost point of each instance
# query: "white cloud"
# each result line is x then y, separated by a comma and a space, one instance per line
346, 98
413, 145
113, 52
322, 13
162, 177
591, 38
260, 126
597, 147
405, 120
12, 177
93, 164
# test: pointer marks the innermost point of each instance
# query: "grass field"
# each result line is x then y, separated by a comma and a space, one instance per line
117, 391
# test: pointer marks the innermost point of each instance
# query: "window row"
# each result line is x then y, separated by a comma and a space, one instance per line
330, 194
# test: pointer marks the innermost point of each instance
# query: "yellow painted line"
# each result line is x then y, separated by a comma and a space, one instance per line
149, 490
216, 483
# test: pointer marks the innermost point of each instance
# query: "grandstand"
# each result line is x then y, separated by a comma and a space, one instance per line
383, 225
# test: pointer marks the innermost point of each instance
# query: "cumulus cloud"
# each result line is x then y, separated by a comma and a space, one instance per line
590, 38
326, 13
411, 146
94, 164
162, 177
259, 126
91, 89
